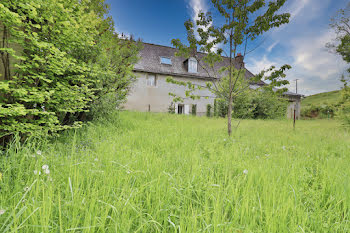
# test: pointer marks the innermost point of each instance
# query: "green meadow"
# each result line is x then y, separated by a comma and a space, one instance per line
145, 172
326, 98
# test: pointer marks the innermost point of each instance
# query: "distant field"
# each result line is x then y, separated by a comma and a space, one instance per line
144, 172
325, 98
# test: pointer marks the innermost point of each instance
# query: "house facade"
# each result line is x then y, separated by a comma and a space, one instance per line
150, 91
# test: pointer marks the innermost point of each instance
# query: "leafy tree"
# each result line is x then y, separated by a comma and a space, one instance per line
245, 20
341, 25
59, 58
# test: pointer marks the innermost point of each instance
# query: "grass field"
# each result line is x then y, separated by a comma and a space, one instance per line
143, 172
320, 99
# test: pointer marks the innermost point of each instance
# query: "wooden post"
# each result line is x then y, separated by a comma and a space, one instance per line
294, 120
149, 107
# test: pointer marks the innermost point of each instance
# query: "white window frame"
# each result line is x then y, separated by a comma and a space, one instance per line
166, 63
149, 82
192, 65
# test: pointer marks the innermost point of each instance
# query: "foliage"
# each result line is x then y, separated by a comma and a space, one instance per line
319, 111
194, 109
340, 23
256, 104
245, 20
344, 105
147, 172
215, 108
208, 113
171, 108
60, 58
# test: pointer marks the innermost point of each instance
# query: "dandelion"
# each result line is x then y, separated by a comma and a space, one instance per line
47, 171
2, 212
38, 152
26, 189
36, 172
245, 172
45, 167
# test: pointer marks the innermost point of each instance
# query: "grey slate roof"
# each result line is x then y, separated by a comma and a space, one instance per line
150, 62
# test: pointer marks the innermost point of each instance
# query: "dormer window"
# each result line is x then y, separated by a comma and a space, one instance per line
192, 65
165, 60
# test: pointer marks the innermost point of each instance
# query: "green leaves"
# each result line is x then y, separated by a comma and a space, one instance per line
60, 58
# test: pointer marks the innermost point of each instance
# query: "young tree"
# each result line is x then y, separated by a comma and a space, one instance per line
245, 20
341, 25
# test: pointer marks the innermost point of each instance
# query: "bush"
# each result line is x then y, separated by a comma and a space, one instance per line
209, 107
255, 104
66, 60
194, 109
171, 108
323, 111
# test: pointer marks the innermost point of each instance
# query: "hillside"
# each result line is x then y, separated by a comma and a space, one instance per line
325, 98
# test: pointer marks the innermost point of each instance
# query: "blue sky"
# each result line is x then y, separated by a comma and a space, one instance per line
301, 43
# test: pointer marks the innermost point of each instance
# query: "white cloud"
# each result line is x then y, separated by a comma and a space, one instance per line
257, 65
302, 44
297, 7
273, 45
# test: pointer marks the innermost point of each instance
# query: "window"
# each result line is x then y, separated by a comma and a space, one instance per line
165, 60
192, 65
151, 80
180, 109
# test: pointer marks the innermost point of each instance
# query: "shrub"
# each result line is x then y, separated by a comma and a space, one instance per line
209, 107
322, 111
65, 58
171, 108
256, 104
194, 109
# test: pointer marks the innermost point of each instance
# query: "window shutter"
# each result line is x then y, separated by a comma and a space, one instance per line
176, 108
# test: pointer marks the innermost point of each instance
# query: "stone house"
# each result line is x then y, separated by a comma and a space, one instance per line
150, 92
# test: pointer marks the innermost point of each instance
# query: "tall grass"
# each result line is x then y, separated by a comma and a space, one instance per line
144, 172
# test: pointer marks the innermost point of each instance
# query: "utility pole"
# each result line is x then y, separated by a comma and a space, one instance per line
296, 85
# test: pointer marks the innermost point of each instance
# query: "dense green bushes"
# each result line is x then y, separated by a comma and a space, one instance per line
322, 111
60, 59
254, 104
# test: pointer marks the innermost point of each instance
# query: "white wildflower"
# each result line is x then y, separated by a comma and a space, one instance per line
45, 167
96, 159
26, 189
36, 172
283, 147
2, 212
224, 139
38, 152
47, 171
267, 155
245, 172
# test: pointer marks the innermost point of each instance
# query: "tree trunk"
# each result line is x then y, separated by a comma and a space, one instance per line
229, 116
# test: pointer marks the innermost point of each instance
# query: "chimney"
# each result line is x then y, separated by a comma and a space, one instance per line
239, 60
